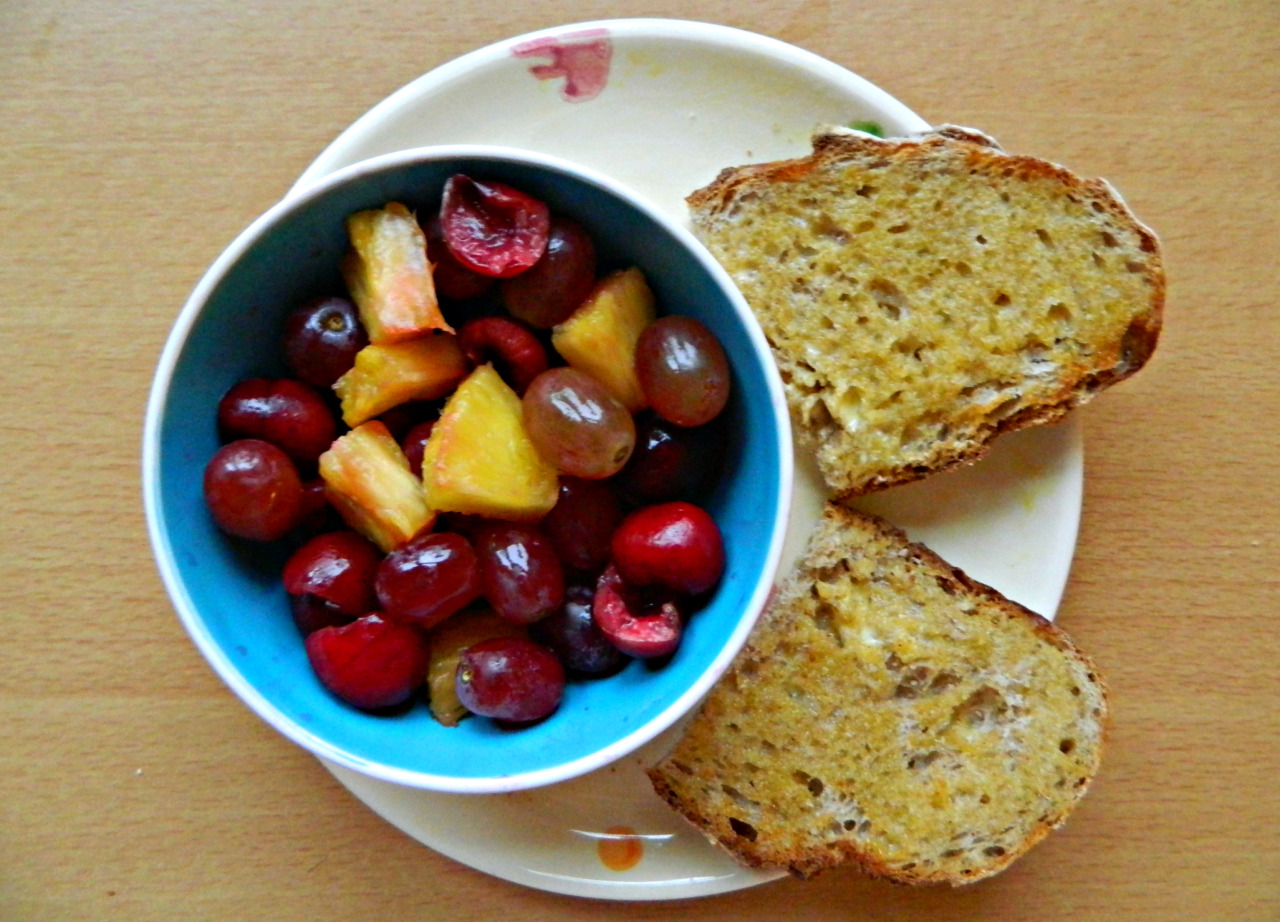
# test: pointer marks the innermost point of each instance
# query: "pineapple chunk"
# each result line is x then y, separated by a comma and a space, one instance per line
389, 277
368, 480
448, 641
600, 337
390, 374
479, 459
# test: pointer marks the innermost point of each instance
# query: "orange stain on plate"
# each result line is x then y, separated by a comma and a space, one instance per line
620, 848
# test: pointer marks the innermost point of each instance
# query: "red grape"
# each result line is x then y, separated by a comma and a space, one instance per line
571, 633
670, 461
683, 370
253, 490
549, 291
577, 425
287, 413
428, 579
510, 678
581, 523
522, 576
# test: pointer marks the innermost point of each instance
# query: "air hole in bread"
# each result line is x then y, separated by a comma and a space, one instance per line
826, 226
742, 800
984, 799
964, 270
1098, 260
993, 851
953, 853
1059, 312
1109, 240
1045, 237
863, 226
984, 708
888, 297
816, 786
923, 759
900, 228
866, 190
981, 239
825, 618
744, 829
1133, 266
1001, 299
1066, 746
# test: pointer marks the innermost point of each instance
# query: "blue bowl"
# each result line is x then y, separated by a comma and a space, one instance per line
228, 593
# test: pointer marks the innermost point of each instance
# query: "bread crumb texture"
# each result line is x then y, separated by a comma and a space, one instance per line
922, 296
891, 713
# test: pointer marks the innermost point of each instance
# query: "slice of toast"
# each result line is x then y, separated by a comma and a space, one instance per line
891, 713
924, 295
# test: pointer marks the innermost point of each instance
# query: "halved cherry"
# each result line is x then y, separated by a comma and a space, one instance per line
639, 630
371, 663
492, 228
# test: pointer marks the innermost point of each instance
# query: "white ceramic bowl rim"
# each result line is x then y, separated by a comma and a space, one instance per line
217, 658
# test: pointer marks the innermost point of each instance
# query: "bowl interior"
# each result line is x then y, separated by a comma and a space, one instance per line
228, 592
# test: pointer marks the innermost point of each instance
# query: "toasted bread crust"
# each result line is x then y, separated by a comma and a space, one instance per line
1111, 296
810, 797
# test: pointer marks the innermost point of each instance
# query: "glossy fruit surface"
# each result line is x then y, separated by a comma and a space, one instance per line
683, 370
582, 522
428, 579
321, 339
453, 280
520, 572
338, 567
571, 633
371, 663
645, 629
253, 490
671, 462
287, 413
675, 545
577, 425
551, 288
448, 641
491, 228
311, 613
510, 679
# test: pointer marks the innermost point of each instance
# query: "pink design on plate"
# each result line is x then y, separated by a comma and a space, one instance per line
581, 58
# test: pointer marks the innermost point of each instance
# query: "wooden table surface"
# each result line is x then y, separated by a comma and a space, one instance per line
138, 137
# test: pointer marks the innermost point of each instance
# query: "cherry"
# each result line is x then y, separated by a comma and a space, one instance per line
550, 290
287, 413
428, 579
509, 678
571, 633
321, 339
639, 630
252, 490
371, 663
675, 545
452, 279
582, 522
338, 567
521, 574
492, 228
515, 352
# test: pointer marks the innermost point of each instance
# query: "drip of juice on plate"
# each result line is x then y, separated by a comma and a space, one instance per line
620, 848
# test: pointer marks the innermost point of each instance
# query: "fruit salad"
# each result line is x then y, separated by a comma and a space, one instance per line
486, 462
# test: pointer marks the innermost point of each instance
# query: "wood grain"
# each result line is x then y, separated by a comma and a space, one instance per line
137, 138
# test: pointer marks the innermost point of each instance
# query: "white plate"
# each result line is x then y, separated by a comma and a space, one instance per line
662, 105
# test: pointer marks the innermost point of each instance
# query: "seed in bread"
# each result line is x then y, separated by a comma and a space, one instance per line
924, 295
891, 713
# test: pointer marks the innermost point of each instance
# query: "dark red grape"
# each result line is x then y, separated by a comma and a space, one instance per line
492, 228
253, 490
338, 567
571, 633
510, 679
287, 413
671, 462
549, 291
683, 370
577, 425
415, 443
675, 545
371, 663
582, 522
521, 574
321, 339
428, 579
